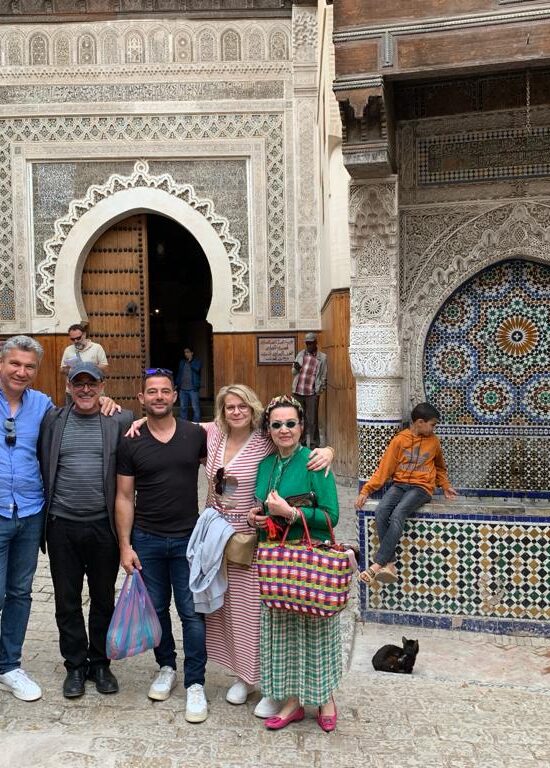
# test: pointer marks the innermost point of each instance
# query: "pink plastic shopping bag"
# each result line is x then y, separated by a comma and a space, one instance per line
135, 627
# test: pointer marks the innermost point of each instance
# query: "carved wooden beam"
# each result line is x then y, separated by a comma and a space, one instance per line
367, 144
57, 10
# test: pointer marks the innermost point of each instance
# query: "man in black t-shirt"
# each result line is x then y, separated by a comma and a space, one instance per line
156, 511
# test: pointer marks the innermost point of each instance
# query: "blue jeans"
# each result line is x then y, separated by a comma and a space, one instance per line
166, 569
19, 542
190, 396
399, 501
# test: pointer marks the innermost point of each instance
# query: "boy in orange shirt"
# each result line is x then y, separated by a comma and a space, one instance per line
414, 462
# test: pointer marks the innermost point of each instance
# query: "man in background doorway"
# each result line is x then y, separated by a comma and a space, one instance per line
310, 379
81, 350
188, 382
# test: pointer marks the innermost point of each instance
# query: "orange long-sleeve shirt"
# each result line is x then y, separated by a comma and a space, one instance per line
410, 459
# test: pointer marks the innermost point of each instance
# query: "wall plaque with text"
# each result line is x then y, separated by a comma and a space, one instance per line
276, 350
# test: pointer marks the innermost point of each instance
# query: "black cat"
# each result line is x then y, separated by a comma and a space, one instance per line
392, 658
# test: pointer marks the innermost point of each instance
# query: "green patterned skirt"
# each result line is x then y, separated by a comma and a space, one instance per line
299, 656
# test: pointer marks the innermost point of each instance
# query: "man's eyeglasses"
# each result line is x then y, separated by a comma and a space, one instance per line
225, 484
159, 372
83, 384
289, 424
75, 338
9, 426
233, 408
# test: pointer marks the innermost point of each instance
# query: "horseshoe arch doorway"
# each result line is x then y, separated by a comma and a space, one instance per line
147, 289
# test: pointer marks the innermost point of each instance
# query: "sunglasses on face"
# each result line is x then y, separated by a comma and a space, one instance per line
158, 372
225, 484
9, 426
289, 424
75, 338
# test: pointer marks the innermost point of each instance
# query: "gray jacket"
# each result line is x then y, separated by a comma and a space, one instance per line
207, 577
49, 445
320, 375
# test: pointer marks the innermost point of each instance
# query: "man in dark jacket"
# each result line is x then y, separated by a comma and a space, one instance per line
188, 381
77, 451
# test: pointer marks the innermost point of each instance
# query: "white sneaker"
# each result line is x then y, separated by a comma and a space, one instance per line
163, 683
267, 707
238, 693
197, 709
20, 684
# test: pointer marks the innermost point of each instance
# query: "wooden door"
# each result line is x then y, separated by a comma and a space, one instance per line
114, 291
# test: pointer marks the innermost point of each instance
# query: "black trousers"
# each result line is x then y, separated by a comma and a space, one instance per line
310, 404
77, 548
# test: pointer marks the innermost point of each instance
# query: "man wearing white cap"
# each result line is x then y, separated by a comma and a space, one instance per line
310, 379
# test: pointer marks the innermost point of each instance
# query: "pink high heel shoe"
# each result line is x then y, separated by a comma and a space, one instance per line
276, 723
327, 722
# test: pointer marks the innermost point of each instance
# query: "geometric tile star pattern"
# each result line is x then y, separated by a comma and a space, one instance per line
493, 567
487, 353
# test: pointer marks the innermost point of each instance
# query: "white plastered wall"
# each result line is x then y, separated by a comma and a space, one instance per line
334, 230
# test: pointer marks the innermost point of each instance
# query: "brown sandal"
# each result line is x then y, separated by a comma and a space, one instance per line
387, 574
368, 577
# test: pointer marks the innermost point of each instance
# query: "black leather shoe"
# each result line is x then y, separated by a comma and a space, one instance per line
104, 680
74, 683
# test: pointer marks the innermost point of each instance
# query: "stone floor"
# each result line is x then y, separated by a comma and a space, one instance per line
474, 701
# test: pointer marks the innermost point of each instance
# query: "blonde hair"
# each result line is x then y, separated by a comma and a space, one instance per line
247, 395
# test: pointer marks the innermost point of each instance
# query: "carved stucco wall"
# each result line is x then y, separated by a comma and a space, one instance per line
375, 351
105, 95
455, 209
462, 209
374, 346
147, 42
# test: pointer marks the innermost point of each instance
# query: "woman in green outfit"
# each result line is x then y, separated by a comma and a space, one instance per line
300, 655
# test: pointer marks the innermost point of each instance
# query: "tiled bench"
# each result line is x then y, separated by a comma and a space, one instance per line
478, 565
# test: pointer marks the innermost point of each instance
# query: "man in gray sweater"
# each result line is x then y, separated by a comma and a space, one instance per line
77, 451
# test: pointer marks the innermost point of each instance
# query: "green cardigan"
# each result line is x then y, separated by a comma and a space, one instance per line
297, 479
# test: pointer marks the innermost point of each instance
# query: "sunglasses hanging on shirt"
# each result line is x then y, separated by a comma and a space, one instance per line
9, 426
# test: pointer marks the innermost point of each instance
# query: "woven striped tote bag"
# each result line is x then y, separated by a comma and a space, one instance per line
306, 578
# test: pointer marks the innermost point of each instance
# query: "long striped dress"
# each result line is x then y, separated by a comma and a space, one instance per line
233, 631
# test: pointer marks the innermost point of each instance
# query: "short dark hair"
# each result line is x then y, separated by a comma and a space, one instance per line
426, 412
77, 327
152, 373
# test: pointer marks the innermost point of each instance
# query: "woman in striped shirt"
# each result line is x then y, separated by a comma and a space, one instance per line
235, 448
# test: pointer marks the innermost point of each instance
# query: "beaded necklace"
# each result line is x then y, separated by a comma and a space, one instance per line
279, 467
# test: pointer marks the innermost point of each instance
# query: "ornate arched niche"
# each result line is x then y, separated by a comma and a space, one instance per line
487, 370
487, 353
496, 412
510, 231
